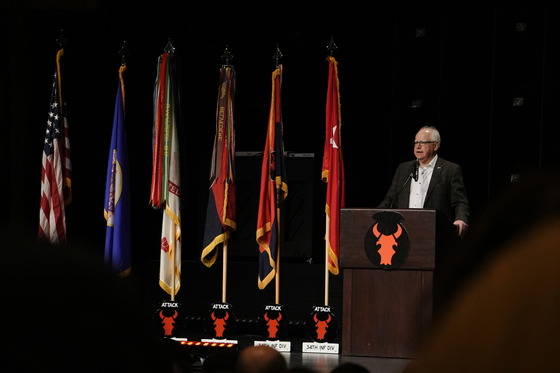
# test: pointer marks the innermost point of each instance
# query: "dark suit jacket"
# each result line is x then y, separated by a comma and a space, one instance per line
446, 192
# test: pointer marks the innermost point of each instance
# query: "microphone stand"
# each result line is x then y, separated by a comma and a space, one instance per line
410, 176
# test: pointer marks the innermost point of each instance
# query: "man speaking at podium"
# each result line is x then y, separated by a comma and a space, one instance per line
430, 182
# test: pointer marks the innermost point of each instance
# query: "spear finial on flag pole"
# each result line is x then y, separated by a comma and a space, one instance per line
227, 56
277, 56
169, 48
123, 52
61, 40
332, 47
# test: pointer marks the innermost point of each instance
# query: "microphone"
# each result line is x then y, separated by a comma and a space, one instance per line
410, 175
416, 165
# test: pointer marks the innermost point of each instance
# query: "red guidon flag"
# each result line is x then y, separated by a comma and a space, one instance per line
333, 169
274, 187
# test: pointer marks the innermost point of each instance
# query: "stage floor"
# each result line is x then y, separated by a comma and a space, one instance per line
325, 363
318, 362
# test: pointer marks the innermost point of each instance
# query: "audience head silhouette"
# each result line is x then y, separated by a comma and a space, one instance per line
260, 359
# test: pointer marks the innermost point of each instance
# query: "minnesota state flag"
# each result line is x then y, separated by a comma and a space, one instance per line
117, 192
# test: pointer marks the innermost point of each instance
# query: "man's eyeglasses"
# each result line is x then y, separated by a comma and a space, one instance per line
422, 143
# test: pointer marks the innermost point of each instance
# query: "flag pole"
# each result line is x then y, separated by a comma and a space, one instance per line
226, 56
170, 49
277, 276
220, 212
165, 188
277, 56
224, 271
327, 222
332, 47
173, 274
56, 170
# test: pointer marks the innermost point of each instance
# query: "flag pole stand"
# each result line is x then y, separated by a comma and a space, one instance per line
273, 326
169, 320
173, 261
321, 325
273, 323
221, 322
224, 271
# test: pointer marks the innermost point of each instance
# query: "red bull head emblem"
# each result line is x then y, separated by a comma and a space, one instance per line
321, 325
387, 242
168, 322
220, 321
272, 325
167, 319
219, 324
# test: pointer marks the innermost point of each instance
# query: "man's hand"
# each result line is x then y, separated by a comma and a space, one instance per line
461, 227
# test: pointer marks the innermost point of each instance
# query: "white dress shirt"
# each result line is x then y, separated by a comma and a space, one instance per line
418, 189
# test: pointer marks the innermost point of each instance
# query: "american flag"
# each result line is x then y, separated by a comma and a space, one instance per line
56, 192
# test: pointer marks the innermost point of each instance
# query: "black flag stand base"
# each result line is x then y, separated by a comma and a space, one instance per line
168, 320
321, 327
220, 323
273, 326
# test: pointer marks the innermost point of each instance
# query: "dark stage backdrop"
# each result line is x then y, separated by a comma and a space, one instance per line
486, 76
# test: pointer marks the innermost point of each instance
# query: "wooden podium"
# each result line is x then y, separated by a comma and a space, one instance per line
386, 311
